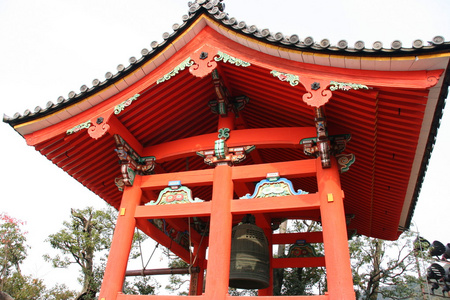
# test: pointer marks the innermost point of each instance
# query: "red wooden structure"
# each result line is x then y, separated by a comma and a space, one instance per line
177, 139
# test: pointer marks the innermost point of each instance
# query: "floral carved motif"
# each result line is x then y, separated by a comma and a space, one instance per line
302, 249
346, 86
226, 58
188, 62
79, 127
175, 194
224, 133
292, 79
345, 161
120, 107
273, 188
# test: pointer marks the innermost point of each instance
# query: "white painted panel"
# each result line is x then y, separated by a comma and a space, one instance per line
273, 51
429, 63
242, 41
401, 65
169, 51
199, 26
296, 56
121, 85
109, 92
322, 60
179, 43
308, 58
253, 45
353, 63
138, 74
283, 54
336, 61
95, 100
84, 105
383, 65
367, 64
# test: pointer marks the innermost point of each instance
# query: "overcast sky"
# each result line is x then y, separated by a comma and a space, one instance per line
49, 48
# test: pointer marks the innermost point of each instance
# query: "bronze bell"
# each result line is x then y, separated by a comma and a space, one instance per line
249, 263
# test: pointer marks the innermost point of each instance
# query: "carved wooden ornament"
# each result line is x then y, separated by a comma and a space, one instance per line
273, 188
203, 61
175, 194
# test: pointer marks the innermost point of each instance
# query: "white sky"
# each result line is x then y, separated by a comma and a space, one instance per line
49, 48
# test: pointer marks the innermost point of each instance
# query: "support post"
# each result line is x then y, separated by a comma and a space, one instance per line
337, 257
218, 272
121, 242
196, 283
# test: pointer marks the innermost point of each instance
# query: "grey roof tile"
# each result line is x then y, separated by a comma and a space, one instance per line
215, 9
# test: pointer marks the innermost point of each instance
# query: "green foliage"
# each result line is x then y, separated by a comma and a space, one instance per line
59, 292
141, 286
300, 281
24, 287
82, 241
178, 283
386, 268
85, 241
13, 247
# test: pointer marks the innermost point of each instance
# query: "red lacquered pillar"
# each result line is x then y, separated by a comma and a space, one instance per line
220, 234
337, 257
121, 242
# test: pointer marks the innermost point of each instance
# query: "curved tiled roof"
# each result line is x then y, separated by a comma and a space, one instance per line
216, 10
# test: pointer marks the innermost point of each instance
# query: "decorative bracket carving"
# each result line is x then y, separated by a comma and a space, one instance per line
98, 126
224, 101
203, 61
317, 94
335, 144
273, 186
224, 133
221, 154
175, 193
345, 161
302, 249
131, 163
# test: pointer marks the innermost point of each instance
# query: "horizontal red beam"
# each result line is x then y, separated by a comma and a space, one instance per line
228, 297
275, 204
260, 137
121, 296
188, 178
298, 262
316, 297
239, 206
291, 238
182, 210
297, 168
